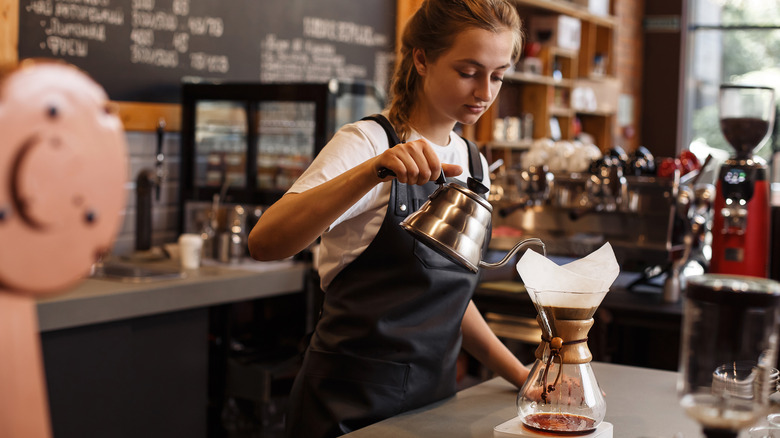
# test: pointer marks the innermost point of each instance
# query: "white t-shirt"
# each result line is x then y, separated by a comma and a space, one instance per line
350, 234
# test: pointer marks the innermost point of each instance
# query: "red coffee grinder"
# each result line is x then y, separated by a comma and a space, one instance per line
741, 225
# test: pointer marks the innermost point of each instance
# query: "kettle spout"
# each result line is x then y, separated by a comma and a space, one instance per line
520, 245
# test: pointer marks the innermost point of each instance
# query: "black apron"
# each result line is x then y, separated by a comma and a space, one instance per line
389, 332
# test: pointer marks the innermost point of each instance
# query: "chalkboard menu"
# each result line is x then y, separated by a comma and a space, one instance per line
141, 50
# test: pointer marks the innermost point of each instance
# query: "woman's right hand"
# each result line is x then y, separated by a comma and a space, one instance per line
414, 162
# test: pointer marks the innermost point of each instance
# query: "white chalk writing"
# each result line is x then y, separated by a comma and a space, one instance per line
169, 34
342, 32
96, 32
142, 37
145, 5
102, 3
40, 7
306, 60
210, 63
206, 25
70, 25
154, 56
67, 47
181, 41
181, 7
89, 14
157, 20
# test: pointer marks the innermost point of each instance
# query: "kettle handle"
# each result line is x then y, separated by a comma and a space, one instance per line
385, 172
521, 245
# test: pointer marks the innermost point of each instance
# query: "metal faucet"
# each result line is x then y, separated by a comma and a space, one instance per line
147, 180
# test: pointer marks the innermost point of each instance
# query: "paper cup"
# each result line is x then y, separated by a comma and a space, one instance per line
190, 247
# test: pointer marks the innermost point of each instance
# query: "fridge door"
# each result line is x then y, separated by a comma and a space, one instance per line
228, 127
285, 142
220, 138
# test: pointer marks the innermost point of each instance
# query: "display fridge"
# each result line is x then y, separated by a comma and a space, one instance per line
244, 144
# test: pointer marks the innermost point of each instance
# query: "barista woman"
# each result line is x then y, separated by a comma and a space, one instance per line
395, 313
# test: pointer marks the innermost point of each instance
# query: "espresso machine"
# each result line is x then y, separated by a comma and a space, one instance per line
741, 216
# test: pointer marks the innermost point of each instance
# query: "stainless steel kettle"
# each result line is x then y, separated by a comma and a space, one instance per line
455, 220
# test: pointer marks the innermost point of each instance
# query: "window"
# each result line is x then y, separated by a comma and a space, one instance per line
735, 41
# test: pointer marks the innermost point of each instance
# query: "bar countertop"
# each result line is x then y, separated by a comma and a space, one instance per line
641, 403
101, 300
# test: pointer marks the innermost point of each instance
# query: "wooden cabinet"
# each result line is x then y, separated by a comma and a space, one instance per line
565, 90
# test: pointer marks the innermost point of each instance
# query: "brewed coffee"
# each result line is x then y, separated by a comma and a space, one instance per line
560, 423
569, 313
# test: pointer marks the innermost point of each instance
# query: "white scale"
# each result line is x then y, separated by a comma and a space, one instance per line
514, 428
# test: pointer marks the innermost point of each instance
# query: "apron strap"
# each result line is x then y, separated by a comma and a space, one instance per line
475, 163
402, 207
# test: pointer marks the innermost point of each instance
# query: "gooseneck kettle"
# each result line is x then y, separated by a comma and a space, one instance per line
455, 220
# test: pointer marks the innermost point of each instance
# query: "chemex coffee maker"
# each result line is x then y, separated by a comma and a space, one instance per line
561, 396
741, 219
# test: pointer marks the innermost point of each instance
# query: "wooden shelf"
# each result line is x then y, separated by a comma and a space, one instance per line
593, 113
563, 53
532, 78
541, 97
519, 145
561, 111
597, 78
568, 8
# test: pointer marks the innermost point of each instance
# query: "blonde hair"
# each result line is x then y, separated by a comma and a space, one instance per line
433, 29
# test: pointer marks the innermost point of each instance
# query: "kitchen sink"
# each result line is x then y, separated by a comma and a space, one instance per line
134, 273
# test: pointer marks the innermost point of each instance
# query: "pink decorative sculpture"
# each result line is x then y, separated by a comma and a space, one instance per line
63, 165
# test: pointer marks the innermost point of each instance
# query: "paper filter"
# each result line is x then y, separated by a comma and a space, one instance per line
578, 284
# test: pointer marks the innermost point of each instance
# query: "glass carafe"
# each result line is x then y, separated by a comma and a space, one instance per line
561, 394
